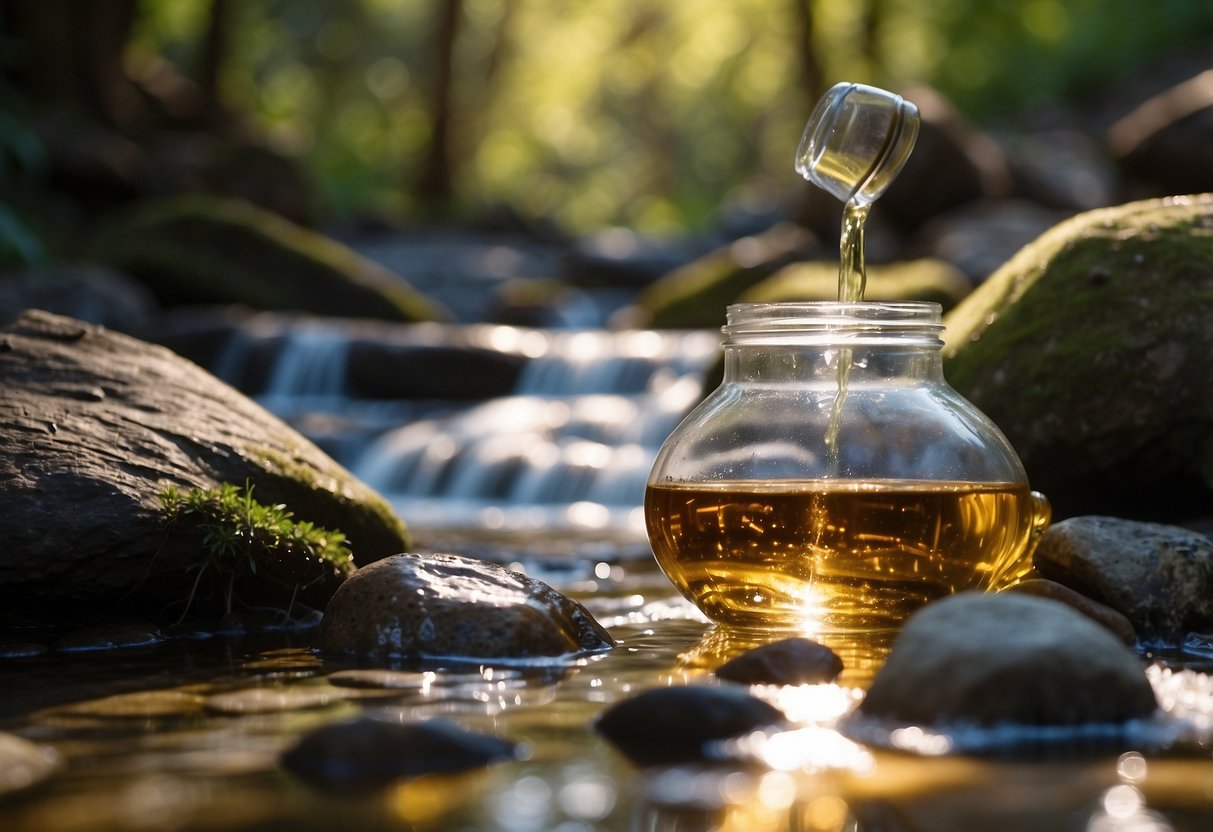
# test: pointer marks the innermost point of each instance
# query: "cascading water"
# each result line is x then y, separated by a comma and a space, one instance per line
567, 451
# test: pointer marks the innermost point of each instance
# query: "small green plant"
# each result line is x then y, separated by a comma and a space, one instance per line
238, 535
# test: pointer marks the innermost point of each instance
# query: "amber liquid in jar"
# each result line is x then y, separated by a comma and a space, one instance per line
837, 556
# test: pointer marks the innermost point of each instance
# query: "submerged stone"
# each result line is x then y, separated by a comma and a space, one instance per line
367, 754
450, 606
1158, 576
789, 661
1089, 349
989, 660
679, 724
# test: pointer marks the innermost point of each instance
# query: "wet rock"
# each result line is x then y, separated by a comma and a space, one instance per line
1115, 622
200, 249
987, 660
1088, 348
679, 724
24, 764
368, 754
923, 280
435, 606
789, 661
1158, 576
82, 476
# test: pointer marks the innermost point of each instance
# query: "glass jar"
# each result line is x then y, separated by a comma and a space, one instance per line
834, 482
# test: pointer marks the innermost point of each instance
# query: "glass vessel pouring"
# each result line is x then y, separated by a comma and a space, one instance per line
834, 481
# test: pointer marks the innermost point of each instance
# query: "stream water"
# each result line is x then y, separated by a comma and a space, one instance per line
186, 734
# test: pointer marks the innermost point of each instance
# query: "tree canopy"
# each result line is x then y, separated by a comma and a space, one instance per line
633, 112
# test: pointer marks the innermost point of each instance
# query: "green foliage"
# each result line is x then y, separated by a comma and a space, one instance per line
238, 534
631, 112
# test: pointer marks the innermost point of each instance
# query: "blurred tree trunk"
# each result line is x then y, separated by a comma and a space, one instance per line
214, 51
809, 207
873, 17
437, 178
811, 79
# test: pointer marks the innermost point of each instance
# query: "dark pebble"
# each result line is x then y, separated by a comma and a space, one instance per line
367, 754
791, 661
671, 725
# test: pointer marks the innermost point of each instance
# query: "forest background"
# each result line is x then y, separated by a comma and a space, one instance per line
656, 116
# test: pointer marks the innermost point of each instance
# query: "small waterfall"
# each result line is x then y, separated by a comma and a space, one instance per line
311, 365
569, 448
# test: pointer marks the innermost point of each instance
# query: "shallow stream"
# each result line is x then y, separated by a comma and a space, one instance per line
186, 735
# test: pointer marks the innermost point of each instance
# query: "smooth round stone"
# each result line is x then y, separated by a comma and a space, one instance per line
367, 753
1158, 576
23, 763
790, 661
679, 724
450, 606
986, 660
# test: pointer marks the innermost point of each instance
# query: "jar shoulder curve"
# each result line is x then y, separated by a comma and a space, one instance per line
910, 432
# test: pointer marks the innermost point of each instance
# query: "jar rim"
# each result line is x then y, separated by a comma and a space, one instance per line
898, 320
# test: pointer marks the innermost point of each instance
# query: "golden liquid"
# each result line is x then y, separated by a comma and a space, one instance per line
837, 556
852, 272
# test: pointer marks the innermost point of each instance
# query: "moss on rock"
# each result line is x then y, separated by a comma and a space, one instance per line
201, 249
1090, 350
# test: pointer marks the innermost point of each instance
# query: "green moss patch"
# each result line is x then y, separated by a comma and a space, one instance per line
241, 538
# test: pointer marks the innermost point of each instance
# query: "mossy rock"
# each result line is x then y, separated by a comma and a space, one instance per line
695, 295
97, 427
927, 280
1090, 349
202, 249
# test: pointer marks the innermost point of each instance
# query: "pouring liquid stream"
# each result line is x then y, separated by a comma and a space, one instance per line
852, 278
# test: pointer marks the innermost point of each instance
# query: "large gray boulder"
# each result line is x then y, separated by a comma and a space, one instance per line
95, 425
1090, 348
